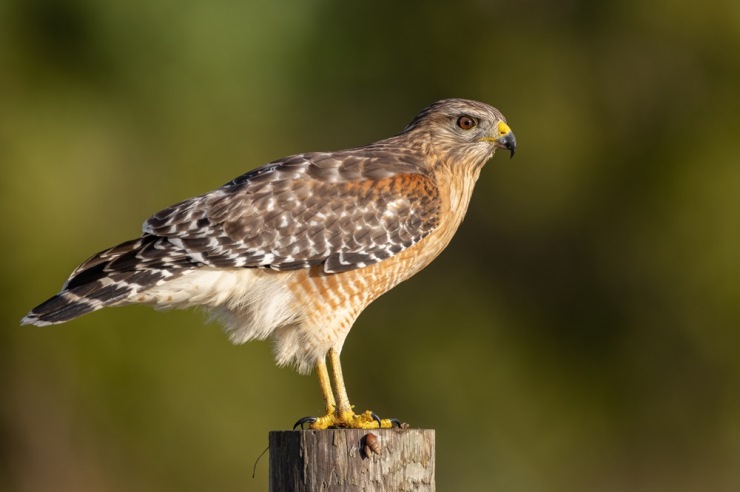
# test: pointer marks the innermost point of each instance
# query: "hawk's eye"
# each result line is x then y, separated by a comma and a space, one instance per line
466, 122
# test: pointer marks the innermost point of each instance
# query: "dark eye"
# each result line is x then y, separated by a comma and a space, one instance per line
467, 122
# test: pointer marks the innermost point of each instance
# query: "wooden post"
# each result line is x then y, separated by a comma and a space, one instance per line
352, 460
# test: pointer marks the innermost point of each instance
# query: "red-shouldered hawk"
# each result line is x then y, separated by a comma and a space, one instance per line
296, 249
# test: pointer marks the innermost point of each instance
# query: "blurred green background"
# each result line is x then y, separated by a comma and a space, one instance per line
581, 333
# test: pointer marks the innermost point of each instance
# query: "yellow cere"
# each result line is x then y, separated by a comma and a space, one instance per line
503, 128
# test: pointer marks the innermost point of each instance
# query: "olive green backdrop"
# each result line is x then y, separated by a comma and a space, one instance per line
581, 333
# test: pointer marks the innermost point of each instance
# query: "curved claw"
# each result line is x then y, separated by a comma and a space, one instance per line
304, 420
393, 422
348, 420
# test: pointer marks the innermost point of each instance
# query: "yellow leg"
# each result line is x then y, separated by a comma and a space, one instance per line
325, 383
336, 368
341, 415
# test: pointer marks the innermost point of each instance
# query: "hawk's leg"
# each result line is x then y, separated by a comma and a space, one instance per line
325, 382
340, 414
331, 404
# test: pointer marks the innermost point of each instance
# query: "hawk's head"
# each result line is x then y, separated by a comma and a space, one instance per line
461, 130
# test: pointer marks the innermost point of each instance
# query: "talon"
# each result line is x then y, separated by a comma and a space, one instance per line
347, 420
304, 420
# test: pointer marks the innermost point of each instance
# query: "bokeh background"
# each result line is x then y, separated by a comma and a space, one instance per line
581, 333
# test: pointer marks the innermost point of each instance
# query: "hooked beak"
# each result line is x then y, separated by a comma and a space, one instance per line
503, 138
506, 138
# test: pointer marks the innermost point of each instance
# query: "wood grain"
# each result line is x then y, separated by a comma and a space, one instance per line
341, 459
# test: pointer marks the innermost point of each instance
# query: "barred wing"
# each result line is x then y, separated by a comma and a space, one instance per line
345, 210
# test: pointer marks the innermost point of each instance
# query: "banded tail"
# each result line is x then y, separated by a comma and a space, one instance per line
111, 278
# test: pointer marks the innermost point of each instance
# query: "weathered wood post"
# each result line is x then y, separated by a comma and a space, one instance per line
352, 460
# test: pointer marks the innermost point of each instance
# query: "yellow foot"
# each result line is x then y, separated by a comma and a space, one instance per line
348, 420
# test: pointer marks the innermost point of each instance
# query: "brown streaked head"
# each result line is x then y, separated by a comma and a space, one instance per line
463, 130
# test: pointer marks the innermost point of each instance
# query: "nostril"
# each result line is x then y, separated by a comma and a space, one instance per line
503, 129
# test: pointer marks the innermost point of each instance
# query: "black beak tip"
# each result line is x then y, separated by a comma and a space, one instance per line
508, 142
